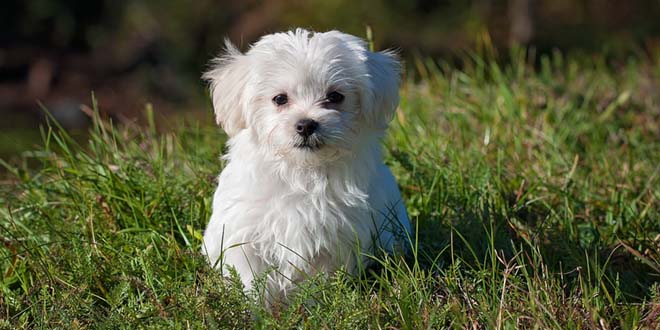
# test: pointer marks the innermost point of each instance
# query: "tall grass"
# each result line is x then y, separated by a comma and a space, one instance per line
533, 186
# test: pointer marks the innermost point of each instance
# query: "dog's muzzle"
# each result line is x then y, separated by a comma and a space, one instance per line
308, 137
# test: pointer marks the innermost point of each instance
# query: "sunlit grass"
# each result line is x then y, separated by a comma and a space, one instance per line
533, 188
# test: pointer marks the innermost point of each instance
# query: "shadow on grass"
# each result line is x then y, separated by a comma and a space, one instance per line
493, 221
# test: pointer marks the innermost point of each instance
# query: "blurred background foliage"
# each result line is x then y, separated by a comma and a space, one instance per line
135, 52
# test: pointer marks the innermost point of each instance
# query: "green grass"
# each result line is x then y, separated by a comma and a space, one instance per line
534, 194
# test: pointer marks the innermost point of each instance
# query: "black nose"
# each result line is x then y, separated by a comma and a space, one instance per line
306, 127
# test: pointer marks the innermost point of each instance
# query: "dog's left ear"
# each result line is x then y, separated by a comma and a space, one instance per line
228, 79
381, 97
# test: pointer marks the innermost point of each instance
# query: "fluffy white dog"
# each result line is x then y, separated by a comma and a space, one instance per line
305, 189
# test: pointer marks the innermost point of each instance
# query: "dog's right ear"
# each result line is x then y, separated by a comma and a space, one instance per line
228, 79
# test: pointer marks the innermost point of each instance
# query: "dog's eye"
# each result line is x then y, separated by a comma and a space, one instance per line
334, 97
281, 99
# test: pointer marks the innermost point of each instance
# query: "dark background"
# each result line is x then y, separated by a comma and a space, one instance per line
135, 52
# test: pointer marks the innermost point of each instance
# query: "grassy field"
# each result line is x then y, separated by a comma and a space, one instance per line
533, 188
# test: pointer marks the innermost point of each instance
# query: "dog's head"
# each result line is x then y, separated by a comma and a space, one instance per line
305, 96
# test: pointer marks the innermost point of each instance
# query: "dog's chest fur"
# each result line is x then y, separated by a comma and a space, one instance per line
298, 220
307, 212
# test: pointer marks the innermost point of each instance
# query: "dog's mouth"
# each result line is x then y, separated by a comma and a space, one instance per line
309, 144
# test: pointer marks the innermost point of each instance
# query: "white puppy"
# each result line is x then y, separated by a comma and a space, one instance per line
305, 189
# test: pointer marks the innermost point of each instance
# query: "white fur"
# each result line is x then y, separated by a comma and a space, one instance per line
287, 213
